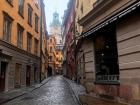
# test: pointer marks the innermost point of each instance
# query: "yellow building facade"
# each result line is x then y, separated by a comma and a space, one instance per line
19, 43
52, 53
55, 45
83, 48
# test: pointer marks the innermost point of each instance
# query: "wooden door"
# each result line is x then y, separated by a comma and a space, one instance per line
28, 75
3, 75
35, 74
18, 75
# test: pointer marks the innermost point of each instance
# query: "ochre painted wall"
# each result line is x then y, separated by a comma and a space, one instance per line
13, 12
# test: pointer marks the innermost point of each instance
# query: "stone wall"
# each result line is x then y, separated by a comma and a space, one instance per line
22, 58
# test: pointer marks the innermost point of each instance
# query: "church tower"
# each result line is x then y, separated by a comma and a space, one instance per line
55, 45
55, 28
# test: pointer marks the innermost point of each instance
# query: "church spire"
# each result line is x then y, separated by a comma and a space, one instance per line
55, 22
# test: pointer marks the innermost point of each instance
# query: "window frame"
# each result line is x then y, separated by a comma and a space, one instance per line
21, 30
106, 55
9, 19
10, 2
29, 42
21, 14
36, 23
36, 42
30, 15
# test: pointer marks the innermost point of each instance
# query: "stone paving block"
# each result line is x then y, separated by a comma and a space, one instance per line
10, 95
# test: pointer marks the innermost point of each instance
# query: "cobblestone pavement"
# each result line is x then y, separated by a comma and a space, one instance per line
55, 92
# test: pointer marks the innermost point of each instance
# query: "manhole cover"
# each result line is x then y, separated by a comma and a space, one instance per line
27, 98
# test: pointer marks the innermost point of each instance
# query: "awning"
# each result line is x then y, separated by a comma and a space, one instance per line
112, 19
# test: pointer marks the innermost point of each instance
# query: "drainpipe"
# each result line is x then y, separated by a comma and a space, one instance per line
41, 15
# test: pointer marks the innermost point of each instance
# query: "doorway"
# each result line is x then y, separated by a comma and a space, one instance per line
28, 75
18, 69
35, 74
3, 75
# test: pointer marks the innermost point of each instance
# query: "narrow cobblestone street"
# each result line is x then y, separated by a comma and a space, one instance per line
55, 92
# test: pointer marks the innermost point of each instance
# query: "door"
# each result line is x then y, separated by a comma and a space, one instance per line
18, 75
3, 75
28, 75
35, 74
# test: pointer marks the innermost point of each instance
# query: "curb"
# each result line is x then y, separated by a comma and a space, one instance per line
12, 98
25, 92
73, 91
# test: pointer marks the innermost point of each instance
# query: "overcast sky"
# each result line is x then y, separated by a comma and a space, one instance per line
54, 5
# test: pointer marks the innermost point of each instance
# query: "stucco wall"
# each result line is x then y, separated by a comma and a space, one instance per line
13, 12
128, 39
88, 49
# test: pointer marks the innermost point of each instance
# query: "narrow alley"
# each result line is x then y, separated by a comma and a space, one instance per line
55, 92
70, 52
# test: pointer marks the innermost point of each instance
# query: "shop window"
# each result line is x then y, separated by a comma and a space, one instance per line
106, 57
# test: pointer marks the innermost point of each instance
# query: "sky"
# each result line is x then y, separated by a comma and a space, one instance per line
54, 5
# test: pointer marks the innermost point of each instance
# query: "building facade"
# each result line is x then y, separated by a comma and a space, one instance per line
44, 45
82, 8
19, 43
56, 37
69, 40
52, 53
110, 46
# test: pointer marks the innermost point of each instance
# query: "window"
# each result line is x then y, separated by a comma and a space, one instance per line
77, 3
60, 42
50, 40
37, 3
50, 58
30, 10
35, 46
20, 30
106, 56
10, 2
82, 8
29, 42
50, 49
7, 27
36, 22
21, 7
